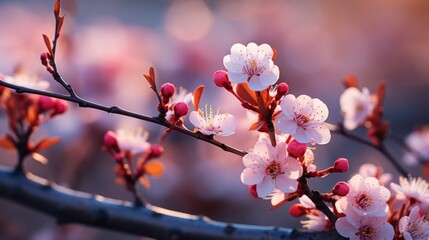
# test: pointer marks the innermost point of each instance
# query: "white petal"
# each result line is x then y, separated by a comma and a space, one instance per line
265, 187
294, 168
265, 53
251, 175
257, 83
252, 50
301, 135
228, 125
271, 77
304, 105
288, 106
237, 77
252, 159
321, 134
320, 111
194, 118
287, 125
344, 228
285, 184
403, 223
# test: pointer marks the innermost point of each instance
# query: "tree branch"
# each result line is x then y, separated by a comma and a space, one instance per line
69, 206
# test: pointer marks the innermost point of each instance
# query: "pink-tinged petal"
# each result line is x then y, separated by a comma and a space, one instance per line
403, 223
344, 228
281, 150
270, 77
239, 53
265, 53
251, 176
414, 213
341, 205
289, 106
263, 149
252, 50
350, 124
385, 231
407, 236
294, 168
301, 136
231, 65
265, 187
348, 98
306, 201
356, 183
304, 104
277, 197
257, 83
229, 124
286, 184
194, 118
320, 111
320, 134
253, 159
237, 77
287, 125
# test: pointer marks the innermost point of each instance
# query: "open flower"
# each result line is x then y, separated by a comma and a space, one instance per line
182, 95
133, 141
28, 81
414, 226
365, 198
412, 188
317, 220
356, 106
252, 63
303, 118
270, 167
209, 123
370, 170
358, 227
418, 142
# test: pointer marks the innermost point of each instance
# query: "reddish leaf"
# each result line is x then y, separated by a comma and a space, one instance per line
244, 92
265, 97
151, 78
152, 73
60, 24
197, 96
7, 143
48, 44
350, 81
256, 126
274, 54
45, 143
31, 115
57, 9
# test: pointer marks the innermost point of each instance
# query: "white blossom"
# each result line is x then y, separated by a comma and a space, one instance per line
356, 106
209, 123
414, 226
134, 141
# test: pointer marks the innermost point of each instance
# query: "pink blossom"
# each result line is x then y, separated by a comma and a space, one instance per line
317, 220
270, 167
356, 106
134, 141
209, 123
370, 170
418, 142
414, 226
252, 64
303, 118
412, 188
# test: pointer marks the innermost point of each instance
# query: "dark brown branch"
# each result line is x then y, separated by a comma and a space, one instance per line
117, 110
69, 206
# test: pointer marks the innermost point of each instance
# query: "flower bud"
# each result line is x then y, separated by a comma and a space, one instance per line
167, 90
341, 165
297, 210
180, 109
44, 58
110, 140
296, 149
252, 190
45, 103
156, 151
220, 78
118, 158
341, 189
282, 89
60, 107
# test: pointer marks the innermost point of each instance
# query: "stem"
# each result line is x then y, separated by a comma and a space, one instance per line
264, 111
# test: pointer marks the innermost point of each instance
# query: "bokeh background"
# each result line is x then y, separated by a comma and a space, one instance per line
107, 45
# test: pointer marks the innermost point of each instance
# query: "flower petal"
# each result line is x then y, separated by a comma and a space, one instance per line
251, 175
265, 187
285, 184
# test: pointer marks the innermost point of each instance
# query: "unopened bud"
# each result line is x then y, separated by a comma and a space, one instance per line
296, 149
156, 151
45, 103
282, 89
44, 58
180, 109
252, 190
110, 140
118, 157
220, 78
297, 210
341, 165
167, 90
60, 107
341, 189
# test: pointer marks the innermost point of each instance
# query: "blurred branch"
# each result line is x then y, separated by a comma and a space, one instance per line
69, 206
117, 110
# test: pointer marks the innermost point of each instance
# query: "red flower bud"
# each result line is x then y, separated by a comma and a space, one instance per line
220, 78
341, 165
296, 149
118, 158
167, 90
44, 58
180, 109
297, 210
110, 140
252, 190
341, 189
282, 89
45, 103
60, 107
156, 151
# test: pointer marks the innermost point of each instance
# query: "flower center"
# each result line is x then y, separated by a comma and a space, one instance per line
363, 200
302, 119
365, 232
273, 169
252, 69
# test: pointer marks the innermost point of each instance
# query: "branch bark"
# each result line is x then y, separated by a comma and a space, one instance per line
69, 206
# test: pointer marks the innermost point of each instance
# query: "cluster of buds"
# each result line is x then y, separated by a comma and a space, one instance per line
45, 59
127, 146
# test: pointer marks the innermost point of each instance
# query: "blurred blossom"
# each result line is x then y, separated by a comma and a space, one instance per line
418, 142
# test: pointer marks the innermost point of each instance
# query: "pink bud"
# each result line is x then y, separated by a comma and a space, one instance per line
297, 210
341, 165
282, 89
44, 58
180, 109
156, 151
45, 103
118, 157
220, 78
252, 190
60, 107
296, 149
341, 189
110, 140
167, 90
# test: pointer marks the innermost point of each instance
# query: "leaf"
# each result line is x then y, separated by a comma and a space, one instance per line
152, 73
7, 143
256, 125
60, 24
57, 9
198, 93
154, 168
45, 143
48, 44
38, 157
145, 182
151, 78
274, 54
265, 94
244, 92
